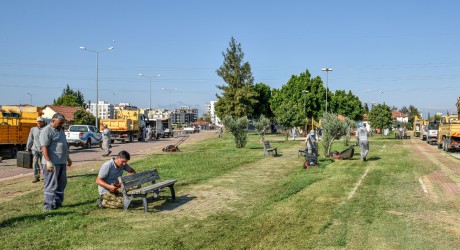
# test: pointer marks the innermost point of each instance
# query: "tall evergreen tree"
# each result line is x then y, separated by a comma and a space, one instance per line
238, 96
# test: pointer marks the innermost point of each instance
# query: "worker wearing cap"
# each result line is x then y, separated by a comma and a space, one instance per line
55, 158
33, 144
106, 140
311, 140
361, 135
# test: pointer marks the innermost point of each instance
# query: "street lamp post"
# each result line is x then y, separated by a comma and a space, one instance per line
30, 98
97, 79
150, 91
305, 107
327, 81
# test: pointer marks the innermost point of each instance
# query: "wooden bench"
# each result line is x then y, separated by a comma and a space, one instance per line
269, 150
131, 187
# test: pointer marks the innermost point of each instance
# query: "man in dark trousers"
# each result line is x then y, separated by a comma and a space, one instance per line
33, 144
55, 158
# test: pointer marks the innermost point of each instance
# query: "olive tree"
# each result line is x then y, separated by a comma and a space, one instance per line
262, 126
238, 127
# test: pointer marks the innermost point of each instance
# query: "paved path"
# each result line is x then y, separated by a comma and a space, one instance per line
86, 157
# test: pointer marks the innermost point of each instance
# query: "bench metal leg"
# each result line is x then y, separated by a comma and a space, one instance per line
146, 206
126, 202
173, 194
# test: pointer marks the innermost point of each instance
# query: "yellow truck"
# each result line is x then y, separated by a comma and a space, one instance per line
126, 126
449, 131
15, 125
417, 126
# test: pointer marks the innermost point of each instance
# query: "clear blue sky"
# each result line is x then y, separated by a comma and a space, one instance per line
397, 52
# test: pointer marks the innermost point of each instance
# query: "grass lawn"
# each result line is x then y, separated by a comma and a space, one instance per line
232, 198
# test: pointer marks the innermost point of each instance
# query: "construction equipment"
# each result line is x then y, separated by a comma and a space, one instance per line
417, 126
15, 125
175, 147
449, 131
127, 125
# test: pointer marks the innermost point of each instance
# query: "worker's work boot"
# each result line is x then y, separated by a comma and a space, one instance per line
36, 179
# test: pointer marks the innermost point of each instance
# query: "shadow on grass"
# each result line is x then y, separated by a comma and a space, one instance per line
35, 218
171, 205
374, 158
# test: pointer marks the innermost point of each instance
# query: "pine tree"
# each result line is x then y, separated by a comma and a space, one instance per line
238, 96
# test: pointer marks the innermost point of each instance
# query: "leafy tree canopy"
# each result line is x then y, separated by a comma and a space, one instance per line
70, 97
380, 116
264, 95
238, 95
82, 117
290, 102
347, 105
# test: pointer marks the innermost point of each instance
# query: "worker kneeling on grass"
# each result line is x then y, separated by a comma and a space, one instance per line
107, 179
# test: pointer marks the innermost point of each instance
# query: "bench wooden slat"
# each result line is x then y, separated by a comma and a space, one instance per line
147, 189
128, 178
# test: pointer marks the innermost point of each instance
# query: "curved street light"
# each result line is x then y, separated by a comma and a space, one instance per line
150, 80
97, 78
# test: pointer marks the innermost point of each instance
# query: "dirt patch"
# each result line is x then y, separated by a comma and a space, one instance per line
447, 175
231, 190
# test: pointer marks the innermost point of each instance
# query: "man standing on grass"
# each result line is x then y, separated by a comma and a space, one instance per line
106, 140
312, 142
361, 135
33, 143
55, 157
107, 179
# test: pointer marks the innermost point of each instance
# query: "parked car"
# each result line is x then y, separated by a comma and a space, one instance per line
190, 130
83, 136
168, 133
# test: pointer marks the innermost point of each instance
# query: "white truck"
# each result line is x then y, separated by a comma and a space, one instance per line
83, 136
432, 132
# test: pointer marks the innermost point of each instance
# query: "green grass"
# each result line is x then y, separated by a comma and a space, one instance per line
232, 198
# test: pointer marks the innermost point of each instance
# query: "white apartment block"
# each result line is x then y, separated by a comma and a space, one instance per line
212, 112
105, 110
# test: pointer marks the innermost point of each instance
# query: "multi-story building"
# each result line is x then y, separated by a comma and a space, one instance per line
212, 112
184, 115
105, 109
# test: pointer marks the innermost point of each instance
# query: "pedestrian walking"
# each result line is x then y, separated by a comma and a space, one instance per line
55, 158
149, 133
33, 144
219, 132
106, 140
361, 135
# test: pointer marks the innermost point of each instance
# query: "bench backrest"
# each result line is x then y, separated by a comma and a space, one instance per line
136, 179
266, 145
